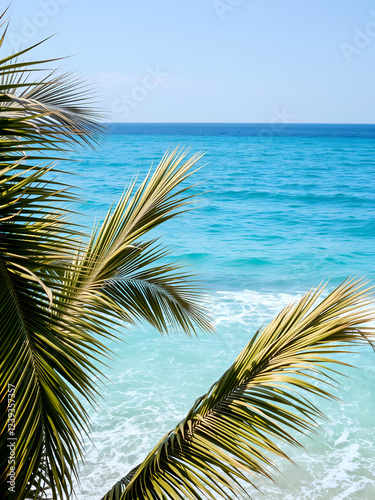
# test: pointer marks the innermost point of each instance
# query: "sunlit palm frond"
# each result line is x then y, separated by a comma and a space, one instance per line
159, 294
232, 432
121, 273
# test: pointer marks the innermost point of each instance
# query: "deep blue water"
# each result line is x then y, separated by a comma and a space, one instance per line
281, 208
245, 129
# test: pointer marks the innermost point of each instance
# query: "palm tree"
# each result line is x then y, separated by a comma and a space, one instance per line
63, 292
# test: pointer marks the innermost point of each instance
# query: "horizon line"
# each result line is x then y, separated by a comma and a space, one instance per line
239, 123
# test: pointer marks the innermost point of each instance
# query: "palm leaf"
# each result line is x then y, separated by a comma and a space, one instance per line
46, 365
48, 114
261, 402
36, 357
121, 275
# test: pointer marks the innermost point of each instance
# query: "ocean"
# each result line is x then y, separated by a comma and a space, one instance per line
281, 208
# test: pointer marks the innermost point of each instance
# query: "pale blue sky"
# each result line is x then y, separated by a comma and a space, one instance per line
214, 60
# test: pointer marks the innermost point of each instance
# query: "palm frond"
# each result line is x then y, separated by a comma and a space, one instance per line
232, 432
42, 111
44, 363
122, 272
158, 294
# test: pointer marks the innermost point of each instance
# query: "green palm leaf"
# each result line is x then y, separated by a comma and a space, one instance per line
232, 432
35, 356
48, 114
45, 365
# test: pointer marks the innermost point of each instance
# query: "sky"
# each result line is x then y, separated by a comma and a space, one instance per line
239, 61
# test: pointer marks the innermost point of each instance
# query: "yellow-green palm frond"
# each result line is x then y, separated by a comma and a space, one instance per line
259, 403
123, 276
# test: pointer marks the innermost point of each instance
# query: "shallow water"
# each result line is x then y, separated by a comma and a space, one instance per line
279, 213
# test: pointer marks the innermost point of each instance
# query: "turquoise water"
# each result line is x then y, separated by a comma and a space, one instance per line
281, 209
